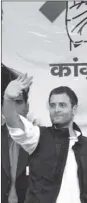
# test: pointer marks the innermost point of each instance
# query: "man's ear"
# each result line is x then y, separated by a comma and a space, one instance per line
75, 107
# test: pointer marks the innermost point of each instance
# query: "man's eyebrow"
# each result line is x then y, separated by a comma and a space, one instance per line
58, 102
62, 103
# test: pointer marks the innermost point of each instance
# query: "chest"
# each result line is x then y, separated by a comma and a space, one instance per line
50, 155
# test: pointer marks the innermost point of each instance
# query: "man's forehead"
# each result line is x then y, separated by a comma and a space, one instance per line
63, 97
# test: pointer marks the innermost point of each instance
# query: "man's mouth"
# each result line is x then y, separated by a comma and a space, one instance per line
58, 115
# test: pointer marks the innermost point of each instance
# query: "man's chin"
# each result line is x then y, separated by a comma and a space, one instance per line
60, 124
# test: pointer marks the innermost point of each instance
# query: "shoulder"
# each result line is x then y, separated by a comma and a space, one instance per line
42, 129
83, 141
84, 138
45, 133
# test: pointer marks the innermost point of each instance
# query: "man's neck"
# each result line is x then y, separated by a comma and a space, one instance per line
70, 127
71, 130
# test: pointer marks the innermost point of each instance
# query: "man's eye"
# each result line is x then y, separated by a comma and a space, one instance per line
52, 105
62, 105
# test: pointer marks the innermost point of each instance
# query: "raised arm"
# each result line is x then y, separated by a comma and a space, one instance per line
20, 129
12, 93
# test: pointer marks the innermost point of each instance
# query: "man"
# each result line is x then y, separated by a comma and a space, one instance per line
14, 162
58, 154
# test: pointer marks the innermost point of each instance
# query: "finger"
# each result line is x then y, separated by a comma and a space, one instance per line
19, 77
24, 77
26, 85
27, 81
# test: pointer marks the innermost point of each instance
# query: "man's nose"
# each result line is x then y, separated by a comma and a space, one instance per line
57, 108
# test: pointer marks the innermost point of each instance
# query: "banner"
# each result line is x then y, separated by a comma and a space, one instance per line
49, 41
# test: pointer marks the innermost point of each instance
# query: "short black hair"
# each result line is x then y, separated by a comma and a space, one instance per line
64, 89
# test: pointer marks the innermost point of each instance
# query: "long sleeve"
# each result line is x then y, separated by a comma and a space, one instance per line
28, 138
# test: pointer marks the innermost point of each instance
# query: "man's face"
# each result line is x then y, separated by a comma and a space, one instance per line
22, 107
61, 110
